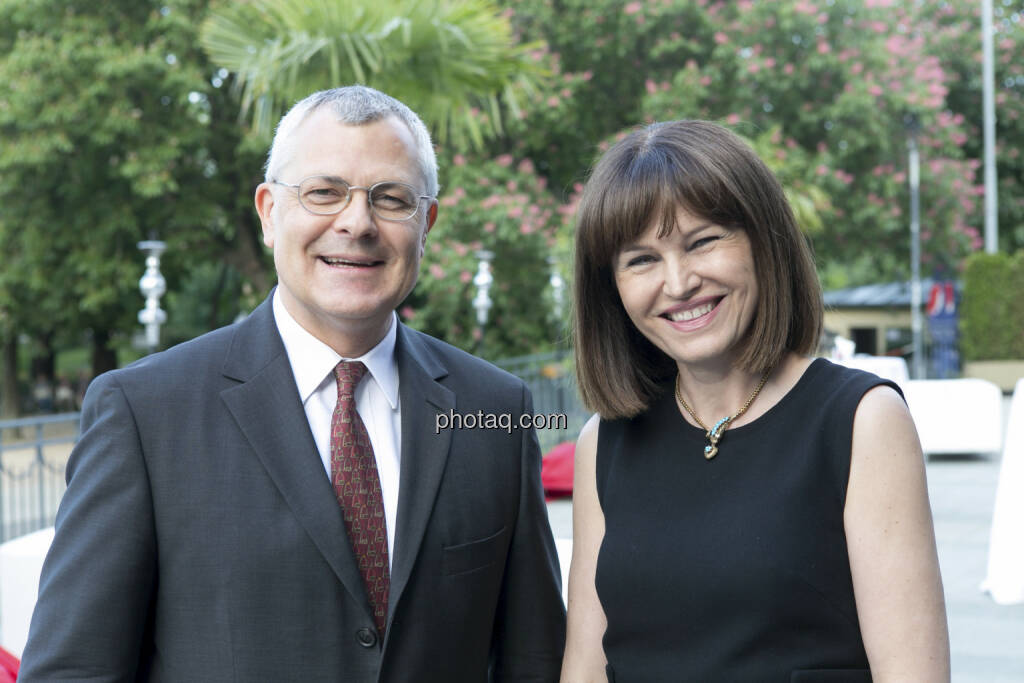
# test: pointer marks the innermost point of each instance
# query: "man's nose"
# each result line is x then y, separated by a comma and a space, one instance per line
356, 217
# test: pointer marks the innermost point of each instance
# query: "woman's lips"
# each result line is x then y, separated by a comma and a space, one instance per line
694, 316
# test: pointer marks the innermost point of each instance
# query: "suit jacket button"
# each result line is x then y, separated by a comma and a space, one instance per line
367, 637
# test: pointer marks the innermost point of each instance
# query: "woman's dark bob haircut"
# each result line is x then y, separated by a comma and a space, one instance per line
645, 179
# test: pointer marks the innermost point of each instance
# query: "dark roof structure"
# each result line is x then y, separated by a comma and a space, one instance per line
886, 295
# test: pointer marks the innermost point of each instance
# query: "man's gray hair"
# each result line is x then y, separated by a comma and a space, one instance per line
354, 105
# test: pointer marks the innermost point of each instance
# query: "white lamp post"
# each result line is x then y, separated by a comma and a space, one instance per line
483, 281
989, 128
557, 288
152, 285
914, 173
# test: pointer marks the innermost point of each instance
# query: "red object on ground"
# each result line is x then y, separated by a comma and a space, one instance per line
9, 665
556, 470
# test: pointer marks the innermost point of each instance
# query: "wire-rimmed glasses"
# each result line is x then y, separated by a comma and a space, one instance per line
326, 195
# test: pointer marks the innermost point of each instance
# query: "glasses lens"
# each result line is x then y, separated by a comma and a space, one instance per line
394, 201
323, 195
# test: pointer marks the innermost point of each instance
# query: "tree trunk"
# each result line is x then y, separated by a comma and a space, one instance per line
104, 358
213, 322
246, 255
44, 358
10, 397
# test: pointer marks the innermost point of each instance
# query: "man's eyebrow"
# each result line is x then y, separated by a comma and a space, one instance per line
328, 176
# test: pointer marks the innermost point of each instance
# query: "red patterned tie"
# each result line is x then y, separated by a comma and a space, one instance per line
354, 475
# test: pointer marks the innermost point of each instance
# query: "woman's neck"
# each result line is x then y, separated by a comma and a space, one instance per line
714, 392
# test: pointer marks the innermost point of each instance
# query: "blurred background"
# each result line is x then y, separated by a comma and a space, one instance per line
128, 120
133, 134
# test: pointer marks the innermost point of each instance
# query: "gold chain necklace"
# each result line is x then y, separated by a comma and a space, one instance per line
715, 433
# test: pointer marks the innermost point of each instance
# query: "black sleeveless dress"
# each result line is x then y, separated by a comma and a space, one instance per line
736, 568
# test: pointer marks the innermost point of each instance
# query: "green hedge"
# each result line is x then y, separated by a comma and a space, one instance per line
992, 312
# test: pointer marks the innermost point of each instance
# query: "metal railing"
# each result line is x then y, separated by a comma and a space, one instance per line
33, 455
552, 382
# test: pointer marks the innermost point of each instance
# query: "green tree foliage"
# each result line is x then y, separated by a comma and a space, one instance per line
956, 35
602, 51
110, 131
115, 124
93, 124
821, 87
838, 81
501, 206
445, 59
456, 64
992, 312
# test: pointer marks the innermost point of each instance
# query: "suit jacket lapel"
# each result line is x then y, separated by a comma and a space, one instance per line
267, 409
424, 453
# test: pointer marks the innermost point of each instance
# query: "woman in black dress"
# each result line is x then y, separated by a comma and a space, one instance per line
742, 511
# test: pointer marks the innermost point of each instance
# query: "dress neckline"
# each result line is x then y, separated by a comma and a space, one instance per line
809, 373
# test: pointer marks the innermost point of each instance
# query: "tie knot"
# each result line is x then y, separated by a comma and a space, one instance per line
348, 373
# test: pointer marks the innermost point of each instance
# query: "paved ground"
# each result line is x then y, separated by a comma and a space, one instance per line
986, 639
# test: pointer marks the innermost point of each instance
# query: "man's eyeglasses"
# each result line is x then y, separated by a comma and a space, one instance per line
326, 196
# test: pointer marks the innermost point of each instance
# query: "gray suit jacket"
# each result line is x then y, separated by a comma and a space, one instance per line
200, 538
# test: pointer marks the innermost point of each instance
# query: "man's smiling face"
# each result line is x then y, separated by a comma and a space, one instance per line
341, 276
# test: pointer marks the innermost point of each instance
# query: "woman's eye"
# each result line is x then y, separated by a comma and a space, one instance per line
639, 260
703, 242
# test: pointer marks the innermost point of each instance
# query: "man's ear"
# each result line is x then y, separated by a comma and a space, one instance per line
431, 216
264, 207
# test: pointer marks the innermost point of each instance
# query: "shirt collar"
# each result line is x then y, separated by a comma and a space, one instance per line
312, 360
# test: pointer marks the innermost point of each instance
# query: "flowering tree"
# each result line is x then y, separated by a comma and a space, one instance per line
822, 88
838, 83
116, 123
955, 27
503, 206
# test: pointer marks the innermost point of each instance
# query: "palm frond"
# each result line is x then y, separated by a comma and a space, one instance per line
454, 62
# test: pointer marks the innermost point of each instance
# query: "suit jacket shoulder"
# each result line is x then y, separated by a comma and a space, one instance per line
234, 352
475, 379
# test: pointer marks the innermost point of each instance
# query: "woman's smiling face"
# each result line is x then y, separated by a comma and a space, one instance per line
693, 292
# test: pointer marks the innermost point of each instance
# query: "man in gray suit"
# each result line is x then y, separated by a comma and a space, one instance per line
270, 501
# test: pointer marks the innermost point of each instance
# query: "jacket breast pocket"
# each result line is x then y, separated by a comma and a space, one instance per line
468, 557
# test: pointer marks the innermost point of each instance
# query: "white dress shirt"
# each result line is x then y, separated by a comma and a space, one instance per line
377, 403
